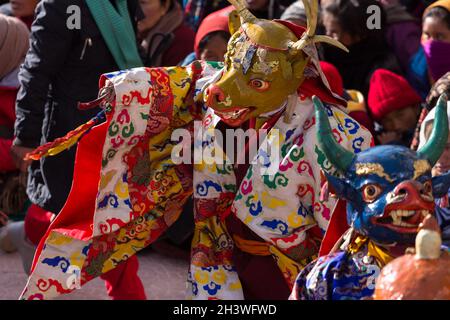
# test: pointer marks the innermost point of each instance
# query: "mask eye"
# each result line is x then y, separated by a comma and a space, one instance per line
259, 85
370, 192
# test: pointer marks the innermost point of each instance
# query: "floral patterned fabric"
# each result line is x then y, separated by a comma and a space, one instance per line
132, 190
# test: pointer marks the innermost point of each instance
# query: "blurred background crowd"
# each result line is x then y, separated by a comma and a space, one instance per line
391, 78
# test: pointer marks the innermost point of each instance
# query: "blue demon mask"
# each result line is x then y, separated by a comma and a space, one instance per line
389, 189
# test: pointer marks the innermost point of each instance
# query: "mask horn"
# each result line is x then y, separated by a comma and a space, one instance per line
335, 153
309, 37
435, 145
242, 10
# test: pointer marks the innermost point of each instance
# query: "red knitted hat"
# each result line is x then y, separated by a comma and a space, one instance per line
216, 21
389, 92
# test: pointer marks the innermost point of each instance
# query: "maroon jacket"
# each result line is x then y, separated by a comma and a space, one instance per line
181, 46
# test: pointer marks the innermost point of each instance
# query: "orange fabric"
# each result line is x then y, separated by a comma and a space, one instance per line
253, 247
216, 21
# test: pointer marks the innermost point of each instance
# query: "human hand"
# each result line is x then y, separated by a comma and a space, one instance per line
18, 154
108, 91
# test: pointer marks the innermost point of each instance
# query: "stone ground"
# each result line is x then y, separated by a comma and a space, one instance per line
164, 278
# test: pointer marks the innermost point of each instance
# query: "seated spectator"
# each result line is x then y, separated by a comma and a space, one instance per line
431, 59
22, 9
13, 201
395, 105
346, 21
164, 37
212, 37
436, 38
356, 105
403, 32
442, 166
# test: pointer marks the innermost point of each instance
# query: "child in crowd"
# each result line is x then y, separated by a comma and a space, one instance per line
431, 60
212, 37
394, 105
442, 166
436, 38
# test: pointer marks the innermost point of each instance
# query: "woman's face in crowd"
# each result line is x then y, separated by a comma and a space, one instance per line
435, 29
215, 49
153, 11
23, 8
443, 164
334, 30
257, 4
401, 120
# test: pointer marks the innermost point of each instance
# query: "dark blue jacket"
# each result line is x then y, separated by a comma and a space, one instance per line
61, 68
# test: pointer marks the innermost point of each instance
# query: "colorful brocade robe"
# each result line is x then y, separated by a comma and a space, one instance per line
127, 189
349, 274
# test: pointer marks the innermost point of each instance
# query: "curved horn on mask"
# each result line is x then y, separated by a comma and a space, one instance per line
242, 10
335, 153
312, 12
435, 145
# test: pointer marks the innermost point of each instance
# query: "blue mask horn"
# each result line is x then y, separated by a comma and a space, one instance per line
434, 147
338, 156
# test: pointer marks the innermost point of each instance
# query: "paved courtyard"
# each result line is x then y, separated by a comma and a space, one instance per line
164, 278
